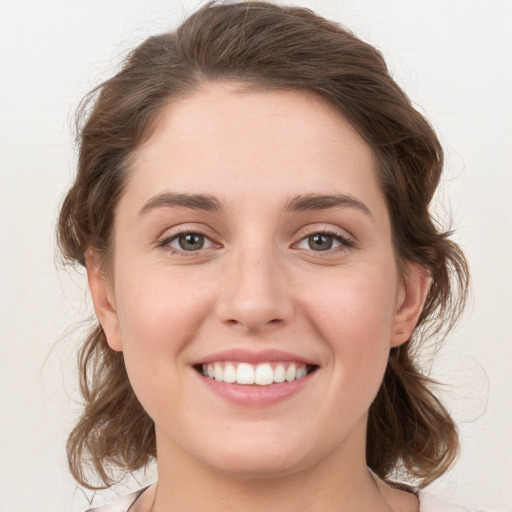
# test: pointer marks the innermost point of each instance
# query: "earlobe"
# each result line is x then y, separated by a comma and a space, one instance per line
410, 303
102, 298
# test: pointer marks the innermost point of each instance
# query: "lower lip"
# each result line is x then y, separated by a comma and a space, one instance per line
255, 395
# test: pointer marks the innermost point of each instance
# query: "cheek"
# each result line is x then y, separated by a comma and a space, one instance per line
158, 307
353, 312
359, 302
158, 314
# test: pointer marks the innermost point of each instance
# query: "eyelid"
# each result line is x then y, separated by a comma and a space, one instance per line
171, 234
346, 240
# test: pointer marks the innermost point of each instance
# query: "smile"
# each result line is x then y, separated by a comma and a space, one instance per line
263, 374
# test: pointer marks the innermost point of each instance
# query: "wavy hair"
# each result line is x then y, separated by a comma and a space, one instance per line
266, 47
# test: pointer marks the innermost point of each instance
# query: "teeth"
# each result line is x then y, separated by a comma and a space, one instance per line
301, 372
279, 373
291, 373
229, 373
245, 374
218, 373
261, 374
264, 375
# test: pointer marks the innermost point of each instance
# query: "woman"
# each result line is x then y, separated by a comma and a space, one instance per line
251, 207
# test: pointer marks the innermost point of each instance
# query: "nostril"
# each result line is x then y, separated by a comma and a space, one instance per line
252, 324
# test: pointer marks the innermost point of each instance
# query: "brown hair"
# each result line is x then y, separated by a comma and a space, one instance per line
266, 46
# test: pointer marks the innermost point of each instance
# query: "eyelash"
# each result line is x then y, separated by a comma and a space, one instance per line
345, 242
166, 241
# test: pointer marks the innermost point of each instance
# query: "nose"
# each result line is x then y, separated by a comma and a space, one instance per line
257, 296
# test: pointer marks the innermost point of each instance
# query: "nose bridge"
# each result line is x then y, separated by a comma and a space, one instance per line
256, 295
258, 274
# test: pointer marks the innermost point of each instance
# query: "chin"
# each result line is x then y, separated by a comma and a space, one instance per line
257, 468
259, 459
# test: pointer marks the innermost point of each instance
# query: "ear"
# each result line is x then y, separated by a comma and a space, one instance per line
102, 298
410, 300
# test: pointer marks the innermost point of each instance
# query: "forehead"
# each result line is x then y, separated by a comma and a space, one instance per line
237, 144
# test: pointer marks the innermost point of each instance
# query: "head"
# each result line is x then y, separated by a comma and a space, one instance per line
266, 52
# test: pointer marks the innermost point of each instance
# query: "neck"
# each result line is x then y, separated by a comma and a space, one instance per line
188, 485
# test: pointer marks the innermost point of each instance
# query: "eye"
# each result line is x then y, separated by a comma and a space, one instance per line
324, 241
189, 241
186, 242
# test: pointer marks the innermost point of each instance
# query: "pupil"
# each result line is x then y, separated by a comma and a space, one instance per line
320, 242
191, 241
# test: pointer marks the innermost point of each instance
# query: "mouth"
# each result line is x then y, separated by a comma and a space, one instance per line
261, 374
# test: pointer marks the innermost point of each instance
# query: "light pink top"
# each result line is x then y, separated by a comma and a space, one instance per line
428, 503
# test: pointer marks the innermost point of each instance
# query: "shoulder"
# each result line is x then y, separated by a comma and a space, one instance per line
431, 503
122, 504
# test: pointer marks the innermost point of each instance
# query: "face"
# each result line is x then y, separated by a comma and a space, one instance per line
253, 288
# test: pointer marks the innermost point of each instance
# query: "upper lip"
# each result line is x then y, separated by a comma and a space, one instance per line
254, 357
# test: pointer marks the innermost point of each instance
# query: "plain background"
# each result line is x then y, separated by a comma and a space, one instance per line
453, 57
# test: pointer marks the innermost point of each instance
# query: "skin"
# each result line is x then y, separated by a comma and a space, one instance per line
257, 284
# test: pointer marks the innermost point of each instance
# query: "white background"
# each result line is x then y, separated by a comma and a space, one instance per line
453, 57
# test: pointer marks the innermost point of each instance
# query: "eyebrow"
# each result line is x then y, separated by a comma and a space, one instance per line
325, 201
209, 203
203, 202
